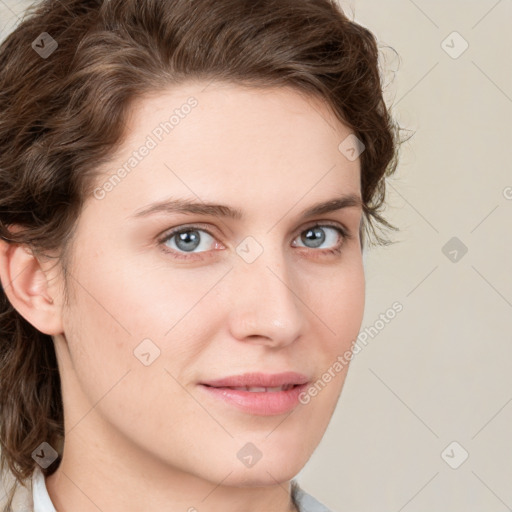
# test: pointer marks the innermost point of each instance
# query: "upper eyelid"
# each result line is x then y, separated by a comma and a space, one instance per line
342, 229
207, 227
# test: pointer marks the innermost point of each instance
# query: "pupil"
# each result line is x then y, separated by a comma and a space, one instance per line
188, 240
311, 234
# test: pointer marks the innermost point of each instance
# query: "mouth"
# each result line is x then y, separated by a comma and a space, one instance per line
258, 381
257, 389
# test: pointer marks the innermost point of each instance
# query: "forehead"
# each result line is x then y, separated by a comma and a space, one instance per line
218, 141
200, 111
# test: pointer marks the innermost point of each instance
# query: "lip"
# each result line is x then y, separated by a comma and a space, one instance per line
266, 380
263, 403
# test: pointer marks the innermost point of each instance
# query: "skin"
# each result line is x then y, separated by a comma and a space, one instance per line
144, 437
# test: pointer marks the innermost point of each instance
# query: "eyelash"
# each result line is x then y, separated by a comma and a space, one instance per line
344, 233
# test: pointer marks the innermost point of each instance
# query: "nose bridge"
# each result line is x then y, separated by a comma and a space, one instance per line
266, 303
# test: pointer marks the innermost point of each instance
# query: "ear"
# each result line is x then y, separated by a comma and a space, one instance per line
25, 281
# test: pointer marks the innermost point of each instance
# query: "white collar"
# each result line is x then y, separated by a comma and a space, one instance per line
42, 501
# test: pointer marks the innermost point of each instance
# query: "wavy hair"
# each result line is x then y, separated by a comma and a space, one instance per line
64, 114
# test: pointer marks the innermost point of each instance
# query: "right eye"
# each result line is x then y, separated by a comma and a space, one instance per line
185, 240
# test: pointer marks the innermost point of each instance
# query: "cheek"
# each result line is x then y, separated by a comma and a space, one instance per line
342, 309
99, 346
341, 303
117, 308
98, 324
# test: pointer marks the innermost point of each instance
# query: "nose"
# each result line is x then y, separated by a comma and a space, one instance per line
267, 302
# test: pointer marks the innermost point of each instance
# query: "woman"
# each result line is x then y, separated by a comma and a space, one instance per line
138, 373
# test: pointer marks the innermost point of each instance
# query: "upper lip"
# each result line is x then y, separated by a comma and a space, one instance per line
266, 380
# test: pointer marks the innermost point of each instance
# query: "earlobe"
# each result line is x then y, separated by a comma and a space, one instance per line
26, 286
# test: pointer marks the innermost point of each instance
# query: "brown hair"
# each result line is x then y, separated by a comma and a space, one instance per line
64, 114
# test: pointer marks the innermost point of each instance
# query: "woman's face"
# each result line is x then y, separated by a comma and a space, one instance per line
153, 316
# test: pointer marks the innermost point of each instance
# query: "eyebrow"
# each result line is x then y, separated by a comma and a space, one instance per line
173, 205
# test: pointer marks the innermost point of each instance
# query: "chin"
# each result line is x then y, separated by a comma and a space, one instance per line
275, 464
264, 476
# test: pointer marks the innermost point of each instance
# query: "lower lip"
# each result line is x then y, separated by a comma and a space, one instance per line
264, 403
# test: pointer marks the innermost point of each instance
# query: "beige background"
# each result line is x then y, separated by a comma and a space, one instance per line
440, 370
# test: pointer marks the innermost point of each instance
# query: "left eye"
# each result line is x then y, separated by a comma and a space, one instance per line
186, 240
316, 235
